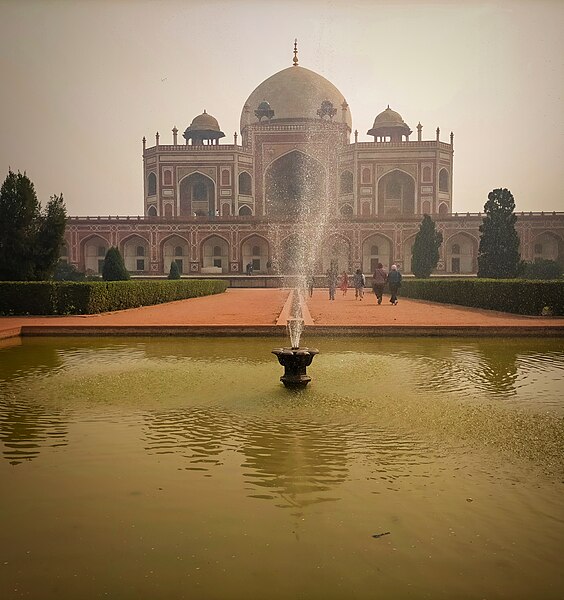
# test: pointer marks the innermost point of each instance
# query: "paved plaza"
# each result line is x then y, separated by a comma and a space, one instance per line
264, 311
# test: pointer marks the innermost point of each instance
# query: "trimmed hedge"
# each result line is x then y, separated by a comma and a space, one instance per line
520, 296
86, 298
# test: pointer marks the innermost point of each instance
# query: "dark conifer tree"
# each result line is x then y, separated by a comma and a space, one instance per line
425, 251
498, 254
30, 240
114, 267
174, 270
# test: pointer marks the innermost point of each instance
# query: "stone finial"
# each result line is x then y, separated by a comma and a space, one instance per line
438, 133
419, 131
451, 138
235, 138
355, 136
174, 135
157, 136
295, 60
144, 142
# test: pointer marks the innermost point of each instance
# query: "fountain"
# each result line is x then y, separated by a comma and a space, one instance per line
295, 360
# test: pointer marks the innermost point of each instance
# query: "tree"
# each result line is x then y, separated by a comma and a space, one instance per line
498, 254
30, 239
174, 270
114, 267
425, 251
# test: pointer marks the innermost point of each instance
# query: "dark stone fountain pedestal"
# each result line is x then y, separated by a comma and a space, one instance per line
295, 361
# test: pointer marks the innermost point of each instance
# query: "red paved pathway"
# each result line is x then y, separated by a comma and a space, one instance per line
240, 311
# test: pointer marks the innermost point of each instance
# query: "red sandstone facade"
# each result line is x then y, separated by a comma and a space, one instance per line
216, 208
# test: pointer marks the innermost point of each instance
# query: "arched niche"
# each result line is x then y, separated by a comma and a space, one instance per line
94, 251
376, 248
215, 254
152, 211
461, 251
547, 246
443, 208
346, 210
151, 184
176, 249
197, 195
245, 184
444, 181
294, 185
256, 251
245, 211
168, 211
396, 194
135, 251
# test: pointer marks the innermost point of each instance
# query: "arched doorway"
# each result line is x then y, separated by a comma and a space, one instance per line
547, 246
136, 254
176, 249
396, 194
197, 195
376, 248
215, 255
460, 254
255, 251
294, 185
94, 249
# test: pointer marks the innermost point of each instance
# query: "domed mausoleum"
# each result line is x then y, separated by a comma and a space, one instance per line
214, 208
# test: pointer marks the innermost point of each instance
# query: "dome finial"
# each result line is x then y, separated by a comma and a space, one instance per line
296, 52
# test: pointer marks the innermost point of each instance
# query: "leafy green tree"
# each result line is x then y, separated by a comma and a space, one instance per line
425, 251
498, 254
114, 267
30, 239
174, 270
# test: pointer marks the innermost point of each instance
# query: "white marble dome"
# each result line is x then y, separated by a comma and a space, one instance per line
295, 93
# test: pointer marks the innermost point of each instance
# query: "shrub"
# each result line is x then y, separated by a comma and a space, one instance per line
518, 296
542, 268
62, 298
114, 267
174, 270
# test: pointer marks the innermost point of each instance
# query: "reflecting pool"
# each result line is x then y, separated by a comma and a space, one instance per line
181, 468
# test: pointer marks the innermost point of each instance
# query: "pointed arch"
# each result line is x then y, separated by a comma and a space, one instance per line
214, 253
135, 250
92, 252
396, 193
255, 250
384, 254
196, 194
461, 252
169, 251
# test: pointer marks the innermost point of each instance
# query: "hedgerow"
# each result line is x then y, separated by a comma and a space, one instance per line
85, 298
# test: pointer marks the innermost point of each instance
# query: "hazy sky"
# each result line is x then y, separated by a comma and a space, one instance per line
81, 82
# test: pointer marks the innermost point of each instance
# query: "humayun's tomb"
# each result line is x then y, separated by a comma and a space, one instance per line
214, 208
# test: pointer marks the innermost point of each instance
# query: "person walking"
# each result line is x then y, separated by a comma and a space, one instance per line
344, 283
332, 279
394, 281
359, 282
379, 281
310, 285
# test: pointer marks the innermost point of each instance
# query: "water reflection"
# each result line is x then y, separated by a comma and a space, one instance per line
295, 463
26, 428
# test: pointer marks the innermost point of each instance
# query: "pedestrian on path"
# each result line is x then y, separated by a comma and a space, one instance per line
359, 281
394, 281
379, 281
310, 285
332, 279
344, 283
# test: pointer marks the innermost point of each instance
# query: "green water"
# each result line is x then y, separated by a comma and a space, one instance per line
181, 468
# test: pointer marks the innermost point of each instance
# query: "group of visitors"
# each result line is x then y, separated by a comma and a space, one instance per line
379, 281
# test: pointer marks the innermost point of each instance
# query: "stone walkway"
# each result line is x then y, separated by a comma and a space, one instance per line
264, 312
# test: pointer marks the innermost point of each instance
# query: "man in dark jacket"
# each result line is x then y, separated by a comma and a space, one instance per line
394, 281
379, 281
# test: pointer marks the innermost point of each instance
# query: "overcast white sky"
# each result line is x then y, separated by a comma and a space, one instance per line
81, 82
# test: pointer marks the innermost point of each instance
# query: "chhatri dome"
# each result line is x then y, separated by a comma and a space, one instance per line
389, 123
203, 127
295, 94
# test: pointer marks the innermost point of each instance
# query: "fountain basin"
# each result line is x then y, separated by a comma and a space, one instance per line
295, 362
